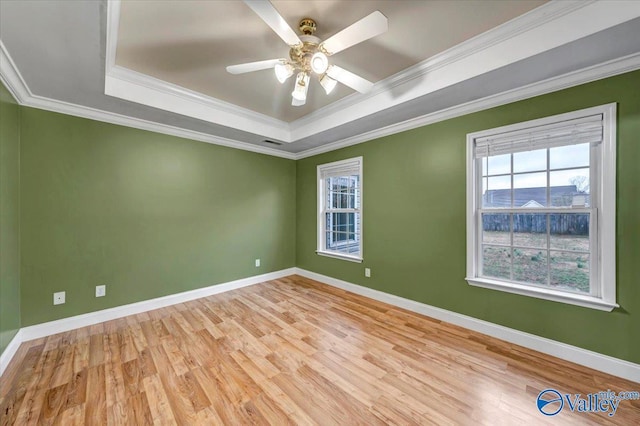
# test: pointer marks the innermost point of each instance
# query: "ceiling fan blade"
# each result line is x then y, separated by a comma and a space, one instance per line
265, 10
349, 79
254, 66
369, 26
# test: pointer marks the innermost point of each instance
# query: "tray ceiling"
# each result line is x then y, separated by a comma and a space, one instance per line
156, 66
189, 43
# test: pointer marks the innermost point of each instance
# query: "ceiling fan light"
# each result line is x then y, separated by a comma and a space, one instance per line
319, 63
327, 83
283, 72
302, 86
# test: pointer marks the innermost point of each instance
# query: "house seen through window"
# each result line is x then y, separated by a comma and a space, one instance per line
541, 208
538, 241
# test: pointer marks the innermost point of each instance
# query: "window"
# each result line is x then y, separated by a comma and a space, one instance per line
541, 208
340, 209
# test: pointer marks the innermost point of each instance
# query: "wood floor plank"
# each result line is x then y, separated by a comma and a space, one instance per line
160, 409
76, 390
139, 409
73, 416
95, 411
174, 388
221, 400
16, 386
34, 399
53, 402
290, 351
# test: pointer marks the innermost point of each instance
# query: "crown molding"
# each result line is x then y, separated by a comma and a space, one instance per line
12, 79
491, 37
14, 82
136, 87
575, 78
546, 27
133, 86
549, 26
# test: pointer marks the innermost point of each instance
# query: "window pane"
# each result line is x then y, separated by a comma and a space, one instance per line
327, 193
530, 230
498, 193
569, 156
570, 271
340, 192
530, 266
354, 243
484, 166
530, 161
570, 188
340, 221
499, 164
530, 190
332, 240
570, 231
496, 228
355, 181
496, 262
348, 222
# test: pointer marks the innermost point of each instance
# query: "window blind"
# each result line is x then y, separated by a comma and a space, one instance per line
343, 168
570, 132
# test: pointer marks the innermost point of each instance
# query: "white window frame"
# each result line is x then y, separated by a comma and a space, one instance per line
347, 166
603, 226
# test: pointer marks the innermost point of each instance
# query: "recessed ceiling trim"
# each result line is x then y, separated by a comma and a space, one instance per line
13, 81
133, 86
575, 78
527, 21
113, 24
121, 83
542, 29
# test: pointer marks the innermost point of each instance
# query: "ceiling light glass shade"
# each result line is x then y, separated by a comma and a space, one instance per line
283, 72
302, 86
328, 83
319, 63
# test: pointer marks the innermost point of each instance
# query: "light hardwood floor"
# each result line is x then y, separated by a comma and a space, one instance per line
289, 351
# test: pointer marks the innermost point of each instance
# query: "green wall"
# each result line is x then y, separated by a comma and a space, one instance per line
414, 237
146, 214
9, 218
151, 215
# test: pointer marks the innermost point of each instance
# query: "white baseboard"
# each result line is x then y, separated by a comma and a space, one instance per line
10, 351
597, 361
66, 324
605, 363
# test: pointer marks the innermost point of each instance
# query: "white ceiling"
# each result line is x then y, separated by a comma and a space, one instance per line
189, 43
438, 60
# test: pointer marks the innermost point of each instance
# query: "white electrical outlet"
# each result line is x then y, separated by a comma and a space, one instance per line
59, 298
257, 263
367, 272
101, 290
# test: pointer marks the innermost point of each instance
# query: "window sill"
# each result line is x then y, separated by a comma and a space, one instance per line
340, 256
546, 294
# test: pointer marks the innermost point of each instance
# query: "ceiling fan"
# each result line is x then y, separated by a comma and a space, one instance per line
309, 55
